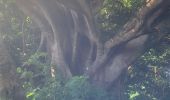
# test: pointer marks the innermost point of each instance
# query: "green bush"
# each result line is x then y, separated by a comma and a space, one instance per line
77, 88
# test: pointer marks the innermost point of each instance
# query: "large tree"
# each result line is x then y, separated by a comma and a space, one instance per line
69, 29
69, 34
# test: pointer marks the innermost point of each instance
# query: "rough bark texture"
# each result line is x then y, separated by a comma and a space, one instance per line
74, 47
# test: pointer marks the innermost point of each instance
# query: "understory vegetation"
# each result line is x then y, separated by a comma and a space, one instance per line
148, 78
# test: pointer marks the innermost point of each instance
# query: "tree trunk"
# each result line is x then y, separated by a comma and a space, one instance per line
74, 46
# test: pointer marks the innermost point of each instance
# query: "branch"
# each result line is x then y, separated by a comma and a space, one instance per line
140, 24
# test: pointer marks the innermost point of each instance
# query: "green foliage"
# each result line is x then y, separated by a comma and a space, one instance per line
114, 14
149, 77
33, 73
133, 95
77, 88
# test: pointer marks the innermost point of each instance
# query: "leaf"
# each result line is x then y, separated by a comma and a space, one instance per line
133, 95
